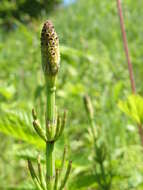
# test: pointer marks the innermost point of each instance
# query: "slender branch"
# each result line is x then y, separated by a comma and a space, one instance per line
56, 180
130, 68
63, 183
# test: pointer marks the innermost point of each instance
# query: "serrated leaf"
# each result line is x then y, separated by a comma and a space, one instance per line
133, 107
18, 125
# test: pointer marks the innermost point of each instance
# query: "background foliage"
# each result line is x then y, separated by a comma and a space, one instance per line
25, 10
92, 62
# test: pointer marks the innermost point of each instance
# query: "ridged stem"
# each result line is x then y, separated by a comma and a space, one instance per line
50, 112
50, 122
50, 165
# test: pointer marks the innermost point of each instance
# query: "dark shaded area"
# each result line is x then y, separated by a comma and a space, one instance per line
24, 10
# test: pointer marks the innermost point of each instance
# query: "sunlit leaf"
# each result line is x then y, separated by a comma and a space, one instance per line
133, 107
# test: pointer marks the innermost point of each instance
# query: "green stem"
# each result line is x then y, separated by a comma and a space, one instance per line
103, 182
50, 108
50, 165
50, 122
94, 133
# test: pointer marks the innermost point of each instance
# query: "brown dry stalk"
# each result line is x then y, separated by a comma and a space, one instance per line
130, 68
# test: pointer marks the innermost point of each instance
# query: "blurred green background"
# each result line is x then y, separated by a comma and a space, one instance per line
93, 63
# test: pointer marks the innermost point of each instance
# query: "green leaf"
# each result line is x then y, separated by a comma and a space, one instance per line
19, 126
133, 107
84, 179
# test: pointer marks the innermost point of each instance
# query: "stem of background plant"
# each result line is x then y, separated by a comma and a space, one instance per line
50, 122
90, 113
130, 68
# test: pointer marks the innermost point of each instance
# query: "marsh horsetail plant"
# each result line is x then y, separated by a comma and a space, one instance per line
54, 124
